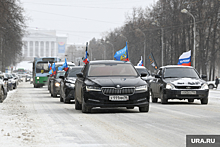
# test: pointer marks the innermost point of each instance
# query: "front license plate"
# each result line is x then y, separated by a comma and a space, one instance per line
118, 98
188, 92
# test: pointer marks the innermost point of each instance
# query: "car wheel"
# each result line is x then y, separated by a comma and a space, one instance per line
85, 109
61, 99
154, 100
204, 101
163, 99
211, 86
144, 109
78, 106
190, 100
15, 86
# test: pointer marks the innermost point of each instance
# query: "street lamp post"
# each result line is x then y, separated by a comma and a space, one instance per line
162, 33
112, 48
194, 31
144, 43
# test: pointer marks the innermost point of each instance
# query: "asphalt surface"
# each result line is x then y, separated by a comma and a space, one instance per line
31, 117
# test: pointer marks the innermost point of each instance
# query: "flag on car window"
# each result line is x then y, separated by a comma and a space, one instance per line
185, 59
64, 66
122, 55
49, 66
140, 63
85, 59
54, 69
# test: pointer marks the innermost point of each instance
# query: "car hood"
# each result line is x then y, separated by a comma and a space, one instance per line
71, 79
114, 81
185, 81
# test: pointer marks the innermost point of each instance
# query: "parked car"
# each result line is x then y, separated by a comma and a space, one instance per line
8, 78
55, 83
13, 80
5, 80
3, 90
67, 84
108, 83
179, 82
211, 84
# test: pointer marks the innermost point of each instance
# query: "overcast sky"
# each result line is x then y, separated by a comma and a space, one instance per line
80, 19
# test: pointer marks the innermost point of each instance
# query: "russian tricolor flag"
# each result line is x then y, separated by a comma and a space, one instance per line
185, 59
140, 63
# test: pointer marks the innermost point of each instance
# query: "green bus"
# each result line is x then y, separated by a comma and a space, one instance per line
41, 71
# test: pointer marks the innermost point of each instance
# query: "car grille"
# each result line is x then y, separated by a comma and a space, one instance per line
118, 91
187, 87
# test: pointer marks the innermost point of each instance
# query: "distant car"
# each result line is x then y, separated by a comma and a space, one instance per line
67, 84
28, 78
211, 84
179, 82
58, 64
108, 83
142, 69
55, 83
14, 80
3, 90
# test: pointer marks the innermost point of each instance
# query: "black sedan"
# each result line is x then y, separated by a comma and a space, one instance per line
179, 82
55, 83
67, 84
108, 83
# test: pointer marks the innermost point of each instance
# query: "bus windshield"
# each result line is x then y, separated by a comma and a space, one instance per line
42, 67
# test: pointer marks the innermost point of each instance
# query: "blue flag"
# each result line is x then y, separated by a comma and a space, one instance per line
122, 55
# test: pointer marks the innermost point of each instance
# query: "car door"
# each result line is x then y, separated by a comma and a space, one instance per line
79, 83
158, 83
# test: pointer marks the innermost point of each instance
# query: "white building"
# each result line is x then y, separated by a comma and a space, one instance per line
43, 43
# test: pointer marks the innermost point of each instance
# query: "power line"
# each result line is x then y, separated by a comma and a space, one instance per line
74, 17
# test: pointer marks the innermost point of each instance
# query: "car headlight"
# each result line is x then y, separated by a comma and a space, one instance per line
170, 86
92, 88
70, 84
205, 86
38, 78
143, 88
57, 84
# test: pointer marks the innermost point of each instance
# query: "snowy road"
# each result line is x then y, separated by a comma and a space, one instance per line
31, 117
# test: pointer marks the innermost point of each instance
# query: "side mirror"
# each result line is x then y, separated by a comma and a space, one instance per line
61, 77
157, 76
143, 74
204, 76
79, 75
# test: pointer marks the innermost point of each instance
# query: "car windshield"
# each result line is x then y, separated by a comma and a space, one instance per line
60, 74
142, 70
74, 71
111, 70
180, 72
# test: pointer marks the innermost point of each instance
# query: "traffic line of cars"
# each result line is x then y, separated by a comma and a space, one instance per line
108, 83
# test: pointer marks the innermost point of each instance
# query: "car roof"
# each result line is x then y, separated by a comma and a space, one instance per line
140, 67
76, 67
176, 66
107, 61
